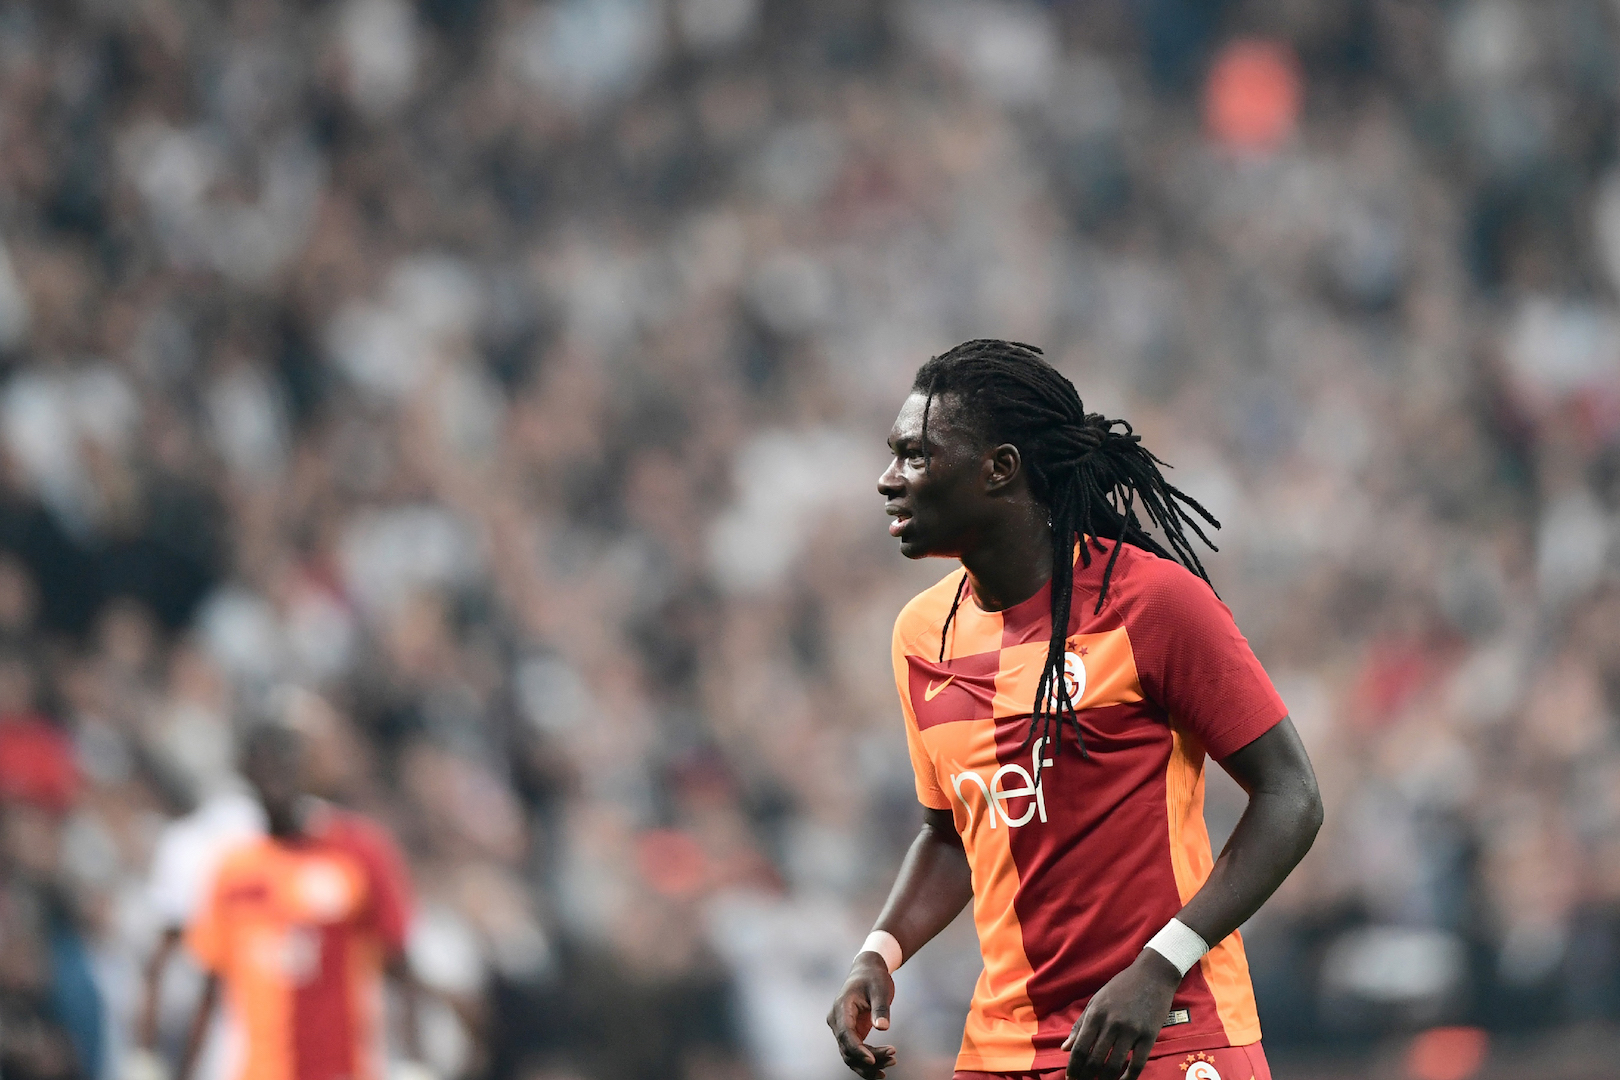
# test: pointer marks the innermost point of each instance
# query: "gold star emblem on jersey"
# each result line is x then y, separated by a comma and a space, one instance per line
1200, 1066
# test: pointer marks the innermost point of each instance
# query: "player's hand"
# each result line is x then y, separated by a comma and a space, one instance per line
863, 1004
1112, 1038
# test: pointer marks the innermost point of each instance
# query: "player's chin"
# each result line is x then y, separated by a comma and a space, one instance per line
913, 548
916, 541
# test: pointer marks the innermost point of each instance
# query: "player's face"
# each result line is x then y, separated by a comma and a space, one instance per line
936, 499
276, 770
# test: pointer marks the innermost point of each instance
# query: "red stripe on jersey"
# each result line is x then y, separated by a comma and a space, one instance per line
964, 688
389, 912
323, 1019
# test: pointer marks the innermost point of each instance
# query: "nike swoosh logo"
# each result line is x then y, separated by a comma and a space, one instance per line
933, 691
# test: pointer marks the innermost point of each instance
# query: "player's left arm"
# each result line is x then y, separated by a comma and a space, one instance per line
409, 989
1276, 830
1273, 835
1194, 662
199, 1028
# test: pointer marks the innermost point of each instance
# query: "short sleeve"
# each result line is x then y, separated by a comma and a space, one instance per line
929, 793
1192, 659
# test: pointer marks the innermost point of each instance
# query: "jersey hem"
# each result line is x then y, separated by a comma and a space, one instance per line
1185, 1043
1053, 1059
1019, 1064
1049, 1060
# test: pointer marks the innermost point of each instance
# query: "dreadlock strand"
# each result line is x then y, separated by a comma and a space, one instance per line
944, 632
1113, 556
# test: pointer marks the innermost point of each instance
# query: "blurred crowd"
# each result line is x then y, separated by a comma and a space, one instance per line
496, 390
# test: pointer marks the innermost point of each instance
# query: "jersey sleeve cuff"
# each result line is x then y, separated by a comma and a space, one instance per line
1236, 737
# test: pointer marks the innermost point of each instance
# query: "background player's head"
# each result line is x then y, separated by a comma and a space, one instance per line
991, 430
274, 761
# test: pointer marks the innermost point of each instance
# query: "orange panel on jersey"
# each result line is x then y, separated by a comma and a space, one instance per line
973, 631
1106, 673
1002, 1023
1225, 967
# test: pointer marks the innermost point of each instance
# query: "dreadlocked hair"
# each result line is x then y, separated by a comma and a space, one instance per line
1093, 475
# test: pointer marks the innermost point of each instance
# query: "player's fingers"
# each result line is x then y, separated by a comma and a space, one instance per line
845, 1021
880, 994
856, 1054
1139, 1056
867, 1061
857, 1017
1085, 1032
864, 1064
868, 1070
1094, 1065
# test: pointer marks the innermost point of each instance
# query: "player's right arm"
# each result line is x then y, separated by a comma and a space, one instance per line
933, 887
142, 1061
199, 1028
146, 1026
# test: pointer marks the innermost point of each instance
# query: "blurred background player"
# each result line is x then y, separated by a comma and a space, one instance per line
299, 928
197, 768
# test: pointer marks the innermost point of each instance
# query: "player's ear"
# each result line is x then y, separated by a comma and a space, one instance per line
1002, 465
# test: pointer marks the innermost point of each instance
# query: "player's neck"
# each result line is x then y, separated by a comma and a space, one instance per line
1012, 561
296, 823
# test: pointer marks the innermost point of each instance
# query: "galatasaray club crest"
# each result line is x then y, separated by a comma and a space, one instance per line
1200, 1066
1074, 675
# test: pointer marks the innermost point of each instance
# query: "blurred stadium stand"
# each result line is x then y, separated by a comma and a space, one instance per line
498, 387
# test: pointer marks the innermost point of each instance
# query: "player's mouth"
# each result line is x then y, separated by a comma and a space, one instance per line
902, 517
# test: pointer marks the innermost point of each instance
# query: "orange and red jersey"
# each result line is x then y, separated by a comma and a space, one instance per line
299, 932
1078, 862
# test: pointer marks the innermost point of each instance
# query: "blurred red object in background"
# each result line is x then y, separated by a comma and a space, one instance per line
36, 764
1253, 96
1448, 1053
672, 862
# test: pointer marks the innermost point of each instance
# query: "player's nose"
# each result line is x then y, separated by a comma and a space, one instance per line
890, 484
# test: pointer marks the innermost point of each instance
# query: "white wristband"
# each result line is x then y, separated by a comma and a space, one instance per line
883, 943
1179, 944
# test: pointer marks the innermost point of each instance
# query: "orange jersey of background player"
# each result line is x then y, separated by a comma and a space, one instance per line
299, 932
1078, 861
